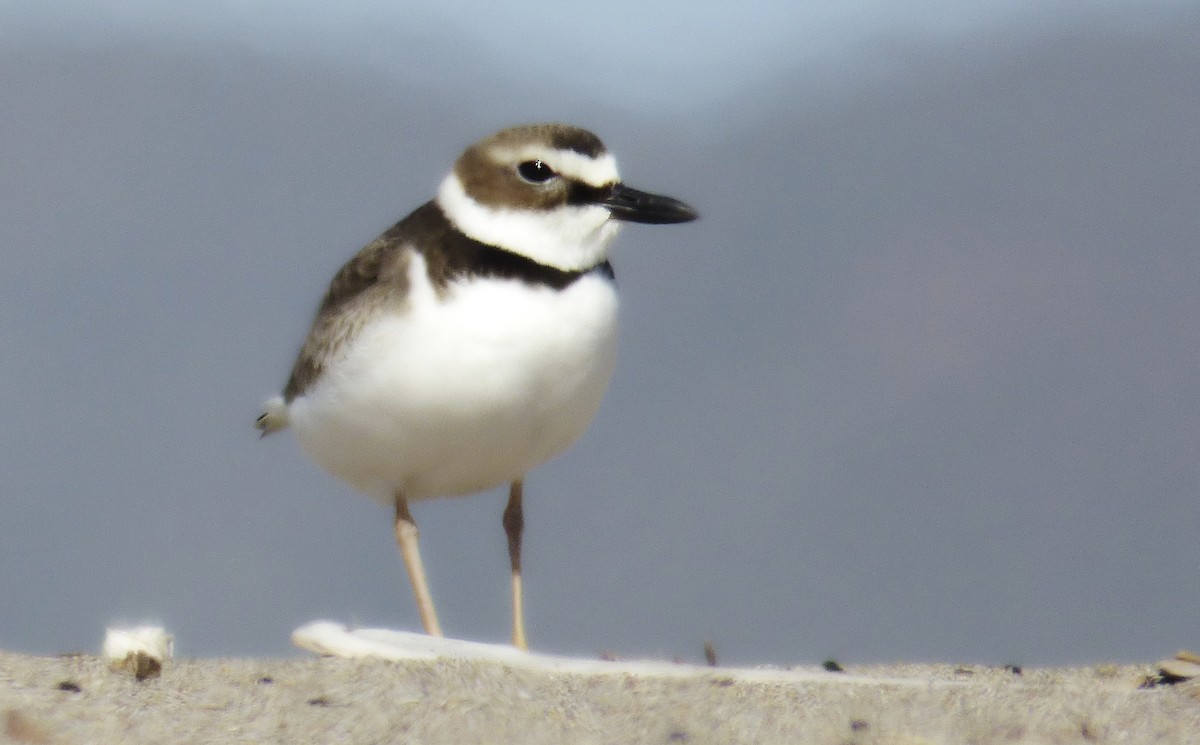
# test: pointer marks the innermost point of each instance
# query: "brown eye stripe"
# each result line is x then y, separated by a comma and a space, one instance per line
580, 194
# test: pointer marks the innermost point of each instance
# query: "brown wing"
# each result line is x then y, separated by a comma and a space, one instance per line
377, 279
374, 279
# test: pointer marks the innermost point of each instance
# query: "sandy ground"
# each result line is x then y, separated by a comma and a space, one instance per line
78, 699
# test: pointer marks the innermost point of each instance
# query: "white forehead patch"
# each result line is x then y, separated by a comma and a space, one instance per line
598, 172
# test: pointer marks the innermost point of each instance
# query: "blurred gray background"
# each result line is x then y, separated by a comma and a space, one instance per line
921, 384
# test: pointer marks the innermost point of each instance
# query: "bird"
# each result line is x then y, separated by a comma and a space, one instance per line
474, 339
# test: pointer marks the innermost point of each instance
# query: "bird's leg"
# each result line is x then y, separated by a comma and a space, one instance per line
406, 536
514, 523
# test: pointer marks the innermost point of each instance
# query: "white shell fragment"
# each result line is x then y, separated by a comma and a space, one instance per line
329, 638
140, 650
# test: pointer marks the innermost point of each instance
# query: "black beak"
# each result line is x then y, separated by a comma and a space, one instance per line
638, 206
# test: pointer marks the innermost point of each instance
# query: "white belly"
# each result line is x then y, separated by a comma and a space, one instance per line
463, 392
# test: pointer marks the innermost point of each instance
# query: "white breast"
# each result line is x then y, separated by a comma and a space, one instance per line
465, 391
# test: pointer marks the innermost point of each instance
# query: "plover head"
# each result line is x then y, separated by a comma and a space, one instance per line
550, 192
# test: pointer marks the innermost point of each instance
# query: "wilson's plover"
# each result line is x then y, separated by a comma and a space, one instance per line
474, 339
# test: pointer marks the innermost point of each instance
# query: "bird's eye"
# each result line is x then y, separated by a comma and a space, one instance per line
536, 171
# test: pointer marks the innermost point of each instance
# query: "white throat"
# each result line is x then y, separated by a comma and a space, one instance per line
569, 237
